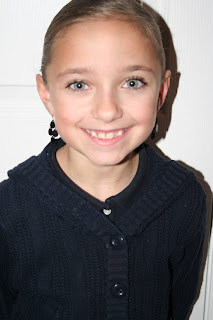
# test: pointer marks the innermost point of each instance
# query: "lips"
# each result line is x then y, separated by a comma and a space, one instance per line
105, 135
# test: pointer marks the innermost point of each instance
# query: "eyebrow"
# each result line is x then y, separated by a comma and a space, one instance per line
74, 71
81, 70
137, 67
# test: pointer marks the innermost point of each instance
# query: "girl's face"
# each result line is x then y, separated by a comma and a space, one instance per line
104, 89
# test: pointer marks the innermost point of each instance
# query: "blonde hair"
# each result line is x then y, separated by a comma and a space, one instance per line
81, 10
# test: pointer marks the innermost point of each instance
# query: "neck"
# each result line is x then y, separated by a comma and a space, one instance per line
101, 182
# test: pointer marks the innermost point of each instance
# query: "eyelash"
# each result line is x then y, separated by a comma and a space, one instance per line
144, 83
75, 82
134, 78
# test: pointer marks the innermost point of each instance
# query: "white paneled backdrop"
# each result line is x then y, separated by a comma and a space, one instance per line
24, 121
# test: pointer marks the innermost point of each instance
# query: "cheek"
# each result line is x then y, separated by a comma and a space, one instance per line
144, 109
68, 111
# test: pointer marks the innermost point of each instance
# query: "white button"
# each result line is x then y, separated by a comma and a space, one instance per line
107, 211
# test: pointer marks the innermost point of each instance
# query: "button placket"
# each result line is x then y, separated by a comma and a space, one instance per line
117, 276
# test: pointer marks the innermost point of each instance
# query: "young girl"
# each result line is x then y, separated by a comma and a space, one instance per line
99, 226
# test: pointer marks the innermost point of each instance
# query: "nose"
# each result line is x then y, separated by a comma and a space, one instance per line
107, 107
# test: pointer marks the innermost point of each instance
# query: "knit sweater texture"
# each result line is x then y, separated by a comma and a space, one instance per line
60, 258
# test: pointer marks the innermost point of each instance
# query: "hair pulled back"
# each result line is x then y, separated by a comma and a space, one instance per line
82, 10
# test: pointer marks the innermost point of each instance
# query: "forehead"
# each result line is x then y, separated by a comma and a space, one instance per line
103, 44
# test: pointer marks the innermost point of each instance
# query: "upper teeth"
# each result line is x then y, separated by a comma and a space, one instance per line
103, 135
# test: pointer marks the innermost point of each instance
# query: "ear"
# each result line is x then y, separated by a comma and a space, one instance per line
44, 93
164, 89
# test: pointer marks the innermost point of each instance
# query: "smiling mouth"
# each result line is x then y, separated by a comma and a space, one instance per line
106, 135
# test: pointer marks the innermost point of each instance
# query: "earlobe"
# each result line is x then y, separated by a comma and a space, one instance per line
164, 89
44, 93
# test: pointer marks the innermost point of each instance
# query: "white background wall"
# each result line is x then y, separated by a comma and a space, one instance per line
24, 121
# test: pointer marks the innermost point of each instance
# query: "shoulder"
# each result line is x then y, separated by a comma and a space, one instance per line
22, 177
170, 170
185, 194
30, 168
31, 176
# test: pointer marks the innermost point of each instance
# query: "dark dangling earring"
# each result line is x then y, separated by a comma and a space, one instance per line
53, 132
155, 129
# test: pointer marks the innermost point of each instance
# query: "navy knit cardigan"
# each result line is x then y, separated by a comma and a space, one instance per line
60, 258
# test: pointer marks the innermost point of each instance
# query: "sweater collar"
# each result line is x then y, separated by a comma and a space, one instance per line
166, 184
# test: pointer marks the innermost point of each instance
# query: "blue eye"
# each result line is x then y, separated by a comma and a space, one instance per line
134, 84
78, 86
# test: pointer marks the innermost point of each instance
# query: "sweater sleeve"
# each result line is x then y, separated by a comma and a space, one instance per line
5, 298
186, 260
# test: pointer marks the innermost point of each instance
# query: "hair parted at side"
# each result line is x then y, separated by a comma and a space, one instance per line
82, 10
